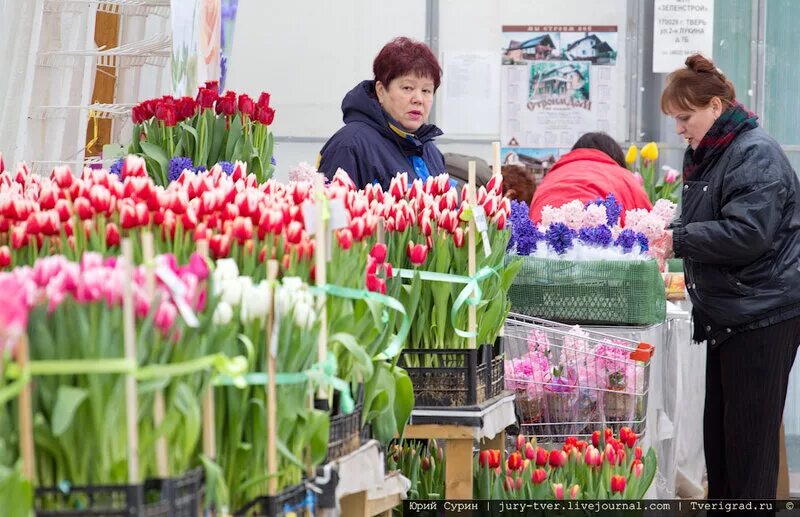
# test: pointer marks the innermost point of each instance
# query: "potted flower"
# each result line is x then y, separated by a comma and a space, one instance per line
619, 372
561, 394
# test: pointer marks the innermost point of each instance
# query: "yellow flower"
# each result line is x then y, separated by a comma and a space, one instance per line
631, 156
650, 152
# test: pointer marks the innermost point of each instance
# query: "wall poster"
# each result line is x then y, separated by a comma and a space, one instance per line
557, 82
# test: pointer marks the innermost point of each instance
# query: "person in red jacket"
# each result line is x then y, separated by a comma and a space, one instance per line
594, 168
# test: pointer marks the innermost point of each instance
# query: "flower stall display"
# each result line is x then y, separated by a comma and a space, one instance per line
423, 464
73, 315
594, 263
666, 185
569, 380
607, 467
212, 128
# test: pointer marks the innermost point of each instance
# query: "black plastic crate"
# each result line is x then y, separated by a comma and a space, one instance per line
497, 370
291, 499
171, 497
344, 435
452, 377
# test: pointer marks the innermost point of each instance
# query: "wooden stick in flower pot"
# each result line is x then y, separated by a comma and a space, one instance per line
321, 277
158, 402
129, 336
25, 412
272, 392
471, 262
496, 167
209, 431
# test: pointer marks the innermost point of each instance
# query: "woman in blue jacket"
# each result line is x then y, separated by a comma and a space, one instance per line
385, 130
739, 237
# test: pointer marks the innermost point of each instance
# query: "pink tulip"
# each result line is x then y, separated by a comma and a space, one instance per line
417, 253
165, 316
5, 256
378, 252
592, 457
637, 468
345, 238
558, 491
574, 492
530, 452
670, 175
458, 237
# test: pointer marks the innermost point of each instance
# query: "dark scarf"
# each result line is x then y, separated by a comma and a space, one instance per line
733, 122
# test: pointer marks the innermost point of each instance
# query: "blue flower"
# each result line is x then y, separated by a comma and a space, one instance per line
613, 208
626, 240
559, 236
272, 160
596, 236
227, 167
177, 165
200, 169
524, 234
116, 167
644, 245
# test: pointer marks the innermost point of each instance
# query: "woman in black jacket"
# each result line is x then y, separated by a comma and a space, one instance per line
739, 237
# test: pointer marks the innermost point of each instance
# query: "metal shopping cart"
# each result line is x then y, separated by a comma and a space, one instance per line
570, 381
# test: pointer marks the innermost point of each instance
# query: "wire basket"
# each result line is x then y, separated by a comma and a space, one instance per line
570, 381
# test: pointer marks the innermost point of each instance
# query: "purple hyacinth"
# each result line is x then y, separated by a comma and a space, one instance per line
596, 236
227, 167
524, 234
626, 240
613, 208
272, 160
177, 165
116, 167
560, 236
644, 245
200, 169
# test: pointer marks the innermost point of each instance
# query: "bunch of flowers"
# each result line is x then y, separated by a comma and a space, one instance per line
423, 464
209, 129
663, 186
599, 230
74, 312
607, 468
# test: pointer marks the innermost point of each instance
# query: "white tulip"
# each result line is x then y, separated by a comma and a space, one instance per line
303, 314
222, 314
231, 292
226, 270
256, 301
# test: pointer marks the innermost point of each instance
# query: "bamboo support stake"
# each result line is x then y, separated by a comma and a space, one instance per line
320, 250
472, 266
209, 431
148, 254
129, 334
25, 413
272, 393
381, 231
496, 167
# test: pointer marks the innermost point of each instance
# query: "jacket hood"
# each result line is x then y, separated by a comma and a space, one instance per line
577, 155
361, 105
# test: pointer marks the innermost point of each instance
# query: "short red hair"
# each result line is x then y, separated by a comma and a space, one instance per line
403, 56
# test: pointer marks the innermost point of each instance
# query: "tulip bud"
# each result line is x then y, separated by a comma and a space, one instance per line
538, 476
541, 457
483, 459
345, 238
617, 484
637, 453
379, 252
630, 156
112, 234
5, 256
558, 491
417, 253
637, 467
530, 452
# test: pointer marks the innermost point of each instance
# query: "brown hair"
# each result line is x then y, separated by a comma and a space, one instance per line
518, 183
694, 86
403, 56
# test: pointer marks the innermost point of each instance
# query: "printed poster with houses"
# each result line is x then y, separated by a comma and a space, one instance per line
558, 82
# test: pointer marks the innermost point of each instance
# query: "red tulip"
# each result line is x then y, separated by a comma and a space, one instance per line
206, 98
501, 220
618, 484
358, 227
514, 461
637, 453
637, 467
134, 166
398, 186
417, 253
495, 185
379, 252
2, 165
494, 458
83, 208
226, 104
448, 220
47, 198
305, 250
167, 114
246, 105
230, 212
127, 216
49, 223
20, 209
631, 440
242, 229
400, 222
112, 234
5, 254
294, 232
345, 238
596, 439
100, 198
186, 107
541, 457
425, 224
538, 476
458, 237
557, 458
220, 245
19, 236
32, 223
611, 454
375, 284
483, 459
530, 452
449, 200
592, 457
62, 175
263, 99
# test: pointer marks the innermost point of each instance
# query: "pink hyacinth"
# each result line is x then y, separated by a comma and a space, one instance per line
594, 215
